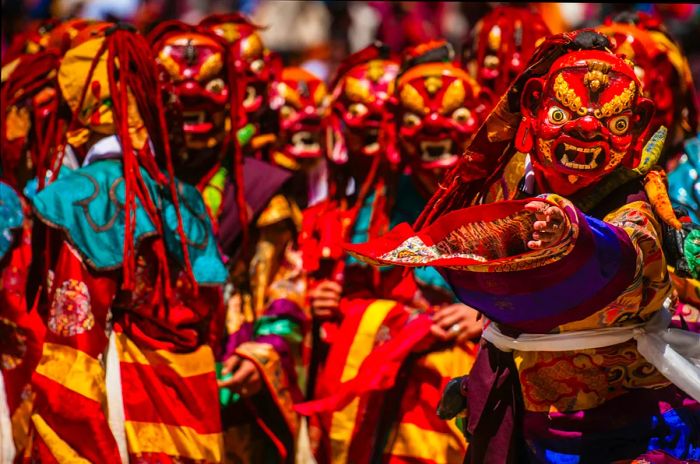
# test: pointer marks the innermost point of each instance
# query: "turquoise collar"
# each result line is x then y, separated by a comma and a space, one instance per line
88, 205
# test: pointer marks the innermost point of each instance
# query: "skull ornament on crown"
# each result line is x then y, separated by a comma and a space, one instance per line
501, 45
439, 107
300, 99
362, 87
662, 68
584, 118
191, 61
253, 66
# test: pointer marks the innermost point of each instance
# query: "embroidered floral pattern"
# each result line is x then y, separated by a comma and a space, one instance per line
412, 250
70, 313
571, 381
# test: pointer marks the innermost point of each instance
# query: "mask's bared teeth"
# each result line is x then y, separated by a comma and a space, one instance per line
432, 151
579, 158
372, 147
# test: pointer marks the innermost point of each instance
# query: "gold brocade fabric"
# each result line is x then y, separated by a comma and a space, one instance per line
278, 209
583, 379
507, 188
246, 442
274, 264
274, 259
268, 362
21, 420
274, 272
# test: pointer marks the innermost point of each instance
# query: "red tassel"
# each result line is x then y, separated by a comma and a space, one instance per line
138, 78
124, 47
33, 73
174, 196
238, 83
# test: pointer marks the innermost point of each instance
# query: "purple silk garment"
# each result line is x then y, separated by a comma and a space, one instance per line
281, 309
262, 181
524, 290
234, 340
495, 409
280, 345
659, 457
599, 268
643, 422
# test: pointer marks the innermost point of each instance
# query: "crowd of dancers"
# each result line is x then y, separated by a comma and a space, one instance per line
209, 257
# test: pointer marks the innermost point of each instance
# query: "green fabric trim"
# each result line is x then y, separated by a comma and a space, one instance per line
691, 249
461, 424
213, 193
88, 205
226, 396
281, 327
245, 134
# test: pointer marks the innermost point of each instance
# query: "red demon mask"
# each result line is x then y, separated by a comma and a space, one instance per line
361, 91
583, 119
253, 65
193, 65
502, 43
439, 108
300, 99
663, 69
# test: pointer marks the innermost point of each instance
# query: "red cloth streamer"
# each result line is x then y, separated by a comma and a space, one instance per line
32, 74
378, 371
140, 79
238, 81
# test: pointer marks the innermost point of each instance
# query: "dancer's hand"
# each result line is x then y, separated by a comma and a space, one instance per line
325, 300
456, 321
549, 226
245, 381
